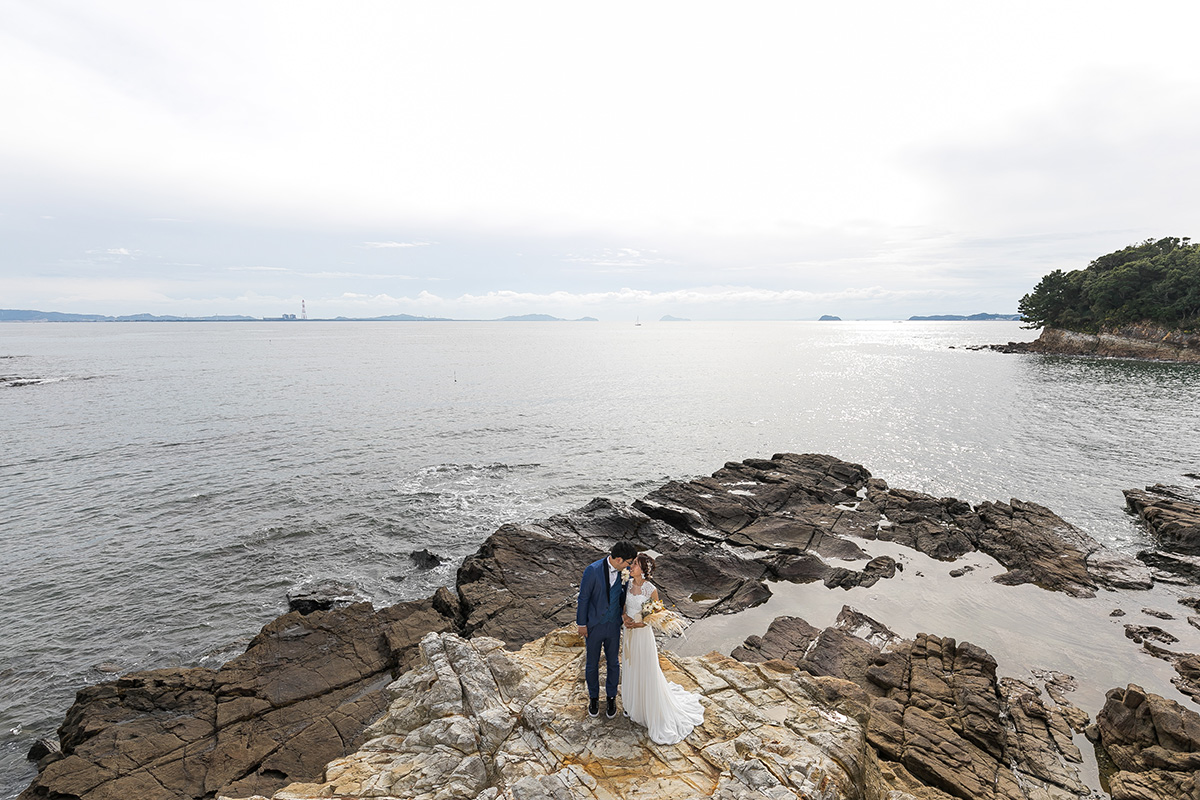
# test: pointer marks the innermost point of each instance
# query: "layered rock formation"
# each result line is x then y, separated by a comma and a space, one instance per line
938, 717
1153, 744
303, 691
307, 686
1172, 513
1127, 341
472, 720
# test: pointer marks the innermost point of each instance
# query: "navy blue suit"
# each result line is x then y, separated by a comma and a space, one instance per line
593, 608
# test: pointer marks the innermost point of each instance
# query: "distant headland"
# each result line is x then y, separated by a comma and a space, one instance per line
19, 315
970, 318
1142, 301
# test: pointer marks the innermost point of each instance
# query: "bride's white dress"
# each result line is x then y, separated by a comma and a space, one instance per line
666, 709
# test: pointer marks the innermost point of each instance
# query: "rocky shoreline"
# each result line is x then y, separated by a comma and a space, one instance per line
473, 692
1151, 342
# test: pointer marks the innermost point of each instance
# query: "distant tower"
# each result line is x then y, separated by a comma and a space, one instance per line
303, 311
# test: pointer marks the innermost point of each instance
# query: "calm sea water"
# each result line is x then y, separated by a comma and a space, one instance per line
167, 484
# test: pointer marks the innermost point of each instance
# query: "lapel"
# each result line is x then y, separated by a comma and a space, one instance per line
602, 565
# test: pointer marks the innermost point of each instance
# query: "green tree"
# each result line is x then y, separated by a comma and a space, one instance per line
1155, 281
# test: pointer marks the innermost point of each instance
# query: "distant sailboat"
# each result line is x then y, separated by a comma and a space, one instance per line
638, 322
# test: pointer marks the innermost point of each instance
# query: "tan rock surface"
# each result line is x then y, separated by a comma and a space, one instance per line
304, 690
474, 720
1154, 746
940, 718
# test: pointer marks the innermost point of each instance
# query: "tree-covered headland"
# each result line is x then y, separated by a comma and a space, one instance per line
1155, 281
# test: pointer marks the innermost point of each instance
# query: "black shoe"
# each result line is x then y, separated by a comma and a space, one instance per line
594, 707
611, 711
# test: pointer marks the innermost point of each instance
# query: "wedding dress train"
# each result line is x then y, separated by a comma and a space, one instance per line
666, 709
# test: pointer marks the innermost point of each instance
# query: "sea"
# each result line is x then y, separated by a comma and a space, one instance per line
163, 486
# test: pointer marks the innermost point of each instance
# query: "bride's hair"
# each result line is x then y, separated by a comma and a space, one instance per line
647, 564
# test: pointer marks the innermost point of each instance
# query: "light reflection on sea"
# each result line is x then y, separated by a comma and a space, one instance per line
170, 482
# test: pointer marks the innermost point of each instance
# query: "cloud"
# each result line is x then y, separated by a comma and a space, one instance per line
114, 251
791, 171
620, 260
1115, 153
711, 297
326, 274
369, 275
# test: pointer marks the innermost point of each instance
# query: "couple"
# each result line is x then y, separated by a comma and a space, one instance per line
608, 603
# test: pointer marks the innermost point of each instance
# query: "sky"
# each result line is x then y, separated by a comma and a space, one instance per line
757, 160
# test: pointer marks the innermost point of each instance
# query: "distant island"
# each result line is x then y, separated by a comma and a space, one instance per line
669, 318
829, 318
970, 318
16, 315
388, 318
19, 315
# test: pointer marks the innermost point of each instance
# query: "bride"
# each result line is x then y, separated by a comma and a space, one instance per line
666, 709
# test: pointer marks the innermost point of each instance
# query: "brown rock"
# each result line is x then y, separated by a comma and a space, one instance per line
1141, 341
300, 695
1154, 744
937, 716
307, 685
1038, 547
473, 720
1171, 513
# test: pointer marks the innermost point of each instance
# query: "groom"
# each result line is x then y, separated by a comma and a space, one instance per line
599, 617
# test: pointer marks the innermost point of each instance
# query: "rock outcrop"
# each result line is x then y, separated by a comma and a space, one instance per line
1153, 744
794, 508
304, 690
472, 720
1145, 341
938, 716
1172, 513
308, 685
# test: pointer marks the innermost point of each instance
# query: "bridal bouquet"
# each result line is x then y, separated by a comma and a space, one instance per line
657, 616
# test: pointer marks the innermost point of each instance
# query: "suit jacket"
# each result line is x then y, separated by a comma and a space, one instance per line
593, 595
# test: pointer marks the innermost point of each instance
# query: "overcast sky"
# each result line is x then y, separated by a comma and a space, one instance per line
750, 160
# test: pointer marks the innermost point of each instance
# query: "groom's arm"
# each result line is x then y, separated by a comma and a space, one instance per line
585, 590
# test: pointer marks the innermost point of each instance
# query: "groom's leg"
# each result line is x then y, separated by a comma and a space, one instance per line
591, 670
612, 649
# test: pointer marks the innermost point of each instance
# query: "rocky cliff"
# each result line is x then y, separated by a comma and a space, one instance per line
1146, 341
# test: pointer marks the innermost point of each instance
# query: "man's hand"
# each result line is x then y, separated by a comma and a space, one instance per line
582, 630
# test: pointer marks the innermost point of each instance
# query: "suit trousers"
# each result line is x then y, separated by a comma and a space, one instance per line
606, 635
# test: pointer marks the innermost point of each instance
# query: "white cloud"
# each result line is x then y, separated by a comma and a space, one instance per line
627, 301
368, 275
801, 148
620, 260
114, 251
377, 245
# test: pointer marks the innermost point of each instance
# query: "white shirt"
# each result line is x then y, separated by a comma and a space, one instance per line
612, 571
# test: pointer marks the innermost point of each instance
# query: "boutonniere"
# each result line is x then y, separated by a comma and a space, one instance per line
625, 575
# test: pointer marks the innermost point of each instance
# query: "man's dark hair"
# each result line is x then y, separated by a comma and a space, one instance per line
624, 550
